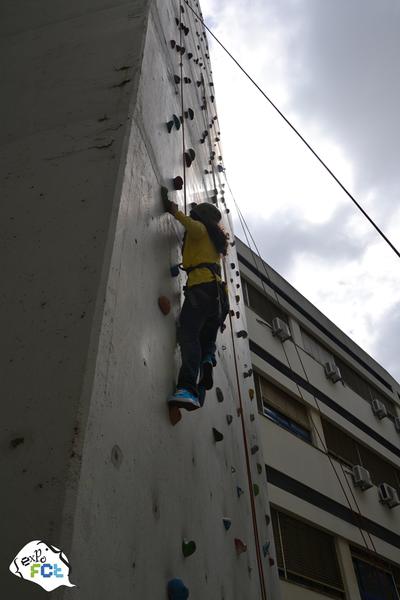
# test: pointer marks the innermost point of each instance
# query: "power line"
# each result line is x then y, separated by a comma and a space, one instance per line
296, 131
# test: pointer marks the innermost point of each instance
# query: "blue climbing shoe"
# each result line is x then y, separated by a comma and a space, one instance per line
206, 378
184, 399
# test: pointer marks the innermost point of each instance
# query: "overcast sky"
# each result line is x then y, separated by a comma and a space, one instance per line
333, 67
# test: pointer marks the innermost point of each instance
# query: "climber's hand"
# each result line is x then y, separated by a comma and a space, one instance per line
173, 208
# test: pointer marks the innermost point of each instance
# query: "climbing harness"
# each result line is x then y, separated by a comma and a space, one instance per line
223, 298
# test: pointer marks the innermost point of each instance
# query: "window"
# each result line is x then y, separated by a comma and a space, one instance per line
348, 450
317, 351
362, 387
281, 408
262, 305
376, 578
306, 555
351, 378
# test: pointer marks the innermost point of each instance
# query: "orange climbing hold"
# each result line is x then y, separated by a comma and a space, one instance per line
164, 304
251, 393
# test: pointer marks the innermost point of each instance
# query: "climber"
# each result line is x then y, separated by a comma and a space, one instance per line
206, 300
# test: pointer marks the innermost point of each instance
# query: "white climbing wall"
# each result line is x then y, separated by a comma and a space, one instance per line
121, 487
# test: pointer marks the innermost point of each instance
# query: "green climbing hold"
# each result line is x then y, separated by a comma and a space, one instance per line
229, 419
256, 489
188, 548
259, 468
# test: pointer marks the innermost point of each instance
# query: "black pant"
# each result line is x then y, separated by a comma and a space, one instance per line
198, 328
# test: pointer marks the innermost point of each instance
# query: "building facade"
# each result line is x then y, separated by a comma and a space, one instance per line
330, 433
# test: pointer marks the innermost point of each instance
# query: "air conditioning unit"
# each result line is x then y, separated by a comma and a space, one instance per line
332, 372
388, 495
361, 477
378, 408
397, 423
280, 329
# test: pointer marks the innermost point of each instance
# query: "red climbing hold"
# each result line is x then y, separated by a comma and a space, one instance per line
174, 415
240, 546
164, 304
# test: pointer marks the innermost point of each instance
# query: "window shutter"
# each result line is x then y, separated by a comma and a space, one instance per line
340, 444
287, 405
309, 552
263, 306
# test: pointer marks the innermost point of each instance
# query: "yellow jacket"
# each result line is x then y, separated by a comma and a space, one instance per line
198, 249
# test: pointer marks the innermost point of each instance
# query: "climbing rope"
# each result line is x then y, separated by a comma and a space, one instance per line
325, 449
296, 131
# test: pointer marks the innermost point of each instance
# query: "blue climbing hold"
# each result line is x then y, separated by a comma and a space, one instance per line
174, 270
265, 548
239, 491
177, 590
227, 523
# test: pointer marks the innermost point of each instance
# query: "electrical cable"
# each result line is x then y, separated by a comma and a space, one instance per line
296, 131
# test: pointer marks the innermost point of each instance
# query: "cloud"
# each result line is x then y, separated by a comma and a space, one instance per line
333, 69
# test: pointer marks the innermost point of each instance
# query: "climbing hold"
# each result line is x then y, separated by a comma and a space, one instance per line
178, 182
237, 314
186, 30
265, 548
182, 50
164, 304
240, 546
174, 270
233, 470
177, 121
173, 43
239, 411
177, 590
248, 373
229, 419
271, 561
165, 200
252, 417
232, 265
259, 468
177, 79
187, 158
188, 548
220, 168
239, 490
267, 520
227, 523
232, 313
191, 113
256, 489
220, 395
192, 153
176, 20
187, 80
218, 436
251, 393
178, 48
242, 334
174, 415
170, 125
190, 55
254, 449
182, 9
237, 298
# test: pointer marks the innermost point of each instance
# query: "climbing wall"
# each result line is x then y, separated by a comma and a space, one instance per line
157, 500
136, 500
